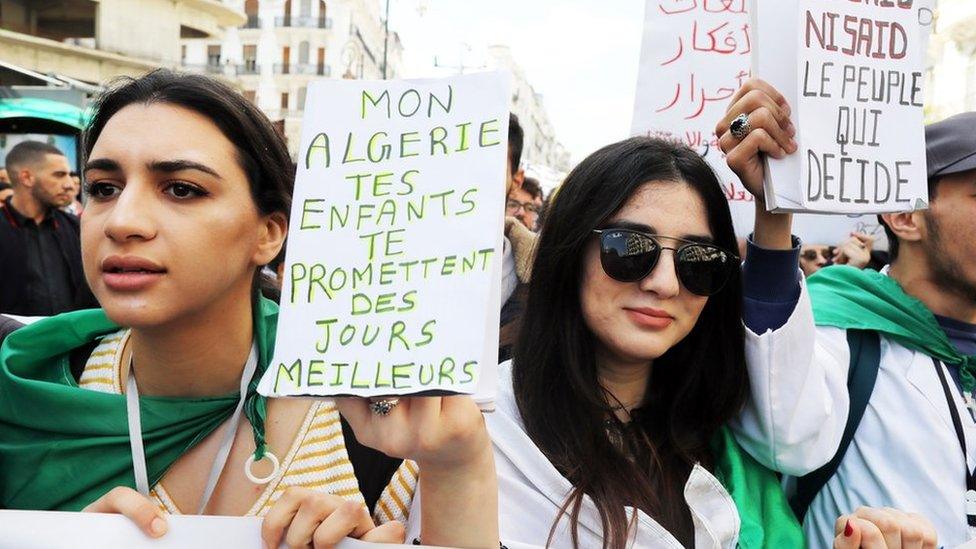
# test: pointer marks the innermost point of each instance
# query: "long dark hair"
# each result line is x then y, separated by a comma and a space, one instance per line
261, 151
698, 385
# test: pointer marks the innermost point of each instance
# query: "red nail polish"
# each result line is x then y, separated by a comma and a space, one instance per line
848, 530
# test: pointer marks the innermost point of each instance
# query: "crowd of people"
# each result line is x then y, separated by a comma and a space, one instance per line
657, 387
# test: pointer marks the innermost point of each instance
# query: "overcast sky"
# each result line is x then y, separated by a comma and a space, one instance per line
581, 55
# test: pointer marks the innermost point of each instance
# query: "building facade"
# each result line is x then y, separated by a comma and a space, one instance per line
952, 60
94, 41
543, 156
286, 44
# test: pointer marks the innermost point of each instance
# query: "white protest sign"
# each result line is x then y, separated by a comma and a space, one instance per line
694, 55
56, 529
853, 73
393, 268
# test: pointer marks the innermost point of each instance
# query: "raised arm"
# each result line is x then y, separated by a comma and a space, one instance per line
798, 372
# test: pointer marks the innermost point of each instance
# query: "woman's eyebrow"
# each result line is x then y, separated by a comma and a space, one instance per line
171, 166
640, 227
103, 164
704, 238
633, 226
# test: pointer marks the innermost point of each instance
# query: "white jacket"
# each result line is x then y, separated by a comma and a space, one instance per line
905, 453
531, 491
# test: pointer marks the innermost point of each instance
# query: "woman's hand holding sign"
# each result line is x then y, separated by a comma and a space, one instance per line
757, 123
768, 130
300, 518
123, 500
448, 439
872, 528
310, 518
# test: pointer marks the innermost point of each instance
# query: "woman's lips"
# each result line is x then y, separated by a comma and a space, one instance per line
130, 273
650, 318
130, 281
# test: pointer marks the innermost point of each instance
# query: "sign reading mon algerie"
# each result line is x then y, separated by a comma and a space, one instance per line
392, 273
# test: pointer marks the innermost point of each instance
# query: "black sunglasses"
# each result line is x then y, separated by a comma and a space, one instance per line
812, 254
629, 256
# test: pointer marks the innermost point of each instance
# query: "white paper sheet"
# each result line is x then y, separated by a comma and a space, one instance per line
683, 26
392, 275
860, 152
56, 530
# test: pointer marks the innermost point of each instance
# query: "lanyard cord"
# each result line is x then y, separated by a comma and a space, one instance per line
961, 436
220, 460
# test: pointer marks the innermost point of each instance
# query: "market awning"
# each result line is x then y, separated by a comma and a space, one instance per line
45, 109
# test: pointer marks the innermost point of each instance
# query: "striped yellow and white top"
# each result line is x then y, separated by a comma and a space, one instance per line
317, 458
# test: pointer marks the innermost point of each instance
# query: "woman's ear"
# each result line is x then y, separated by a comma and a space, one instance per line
273, 230
907, 226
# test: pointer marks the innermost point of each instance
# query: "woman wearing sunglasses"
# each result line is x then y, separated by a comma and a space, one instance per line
610, 428
190, 188
611, 422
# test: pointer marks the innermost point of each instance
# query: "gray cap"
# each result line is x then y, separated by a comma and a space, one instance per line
950, 145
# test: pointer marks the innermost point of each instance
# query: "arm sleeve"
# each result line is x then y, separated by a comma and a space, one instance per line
798, 405
770, 286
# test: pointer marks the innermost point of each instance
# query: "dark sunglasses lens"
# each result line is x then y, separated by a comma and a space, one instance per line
704, 269
627, 256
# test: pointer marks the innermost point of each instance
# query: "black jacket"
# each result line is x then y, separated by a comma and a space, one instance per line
7, 327
13, 261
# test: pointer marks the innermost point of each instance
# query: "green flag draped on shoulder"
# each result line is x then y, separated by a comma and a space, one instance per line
62, 447
863, 299
764, 512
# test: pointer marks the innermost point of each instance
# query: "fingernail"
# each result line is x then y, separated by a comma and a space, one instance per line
848, 530
793, 144
158, 527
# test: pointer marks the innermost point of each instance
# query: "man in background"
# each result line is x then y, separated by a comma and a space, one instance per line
40, 246
525, 203
856, 251
519, 243
6, 190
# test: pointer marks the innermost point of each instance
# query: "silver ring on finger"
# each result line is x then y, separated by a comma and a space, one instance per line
740, 126
383, 407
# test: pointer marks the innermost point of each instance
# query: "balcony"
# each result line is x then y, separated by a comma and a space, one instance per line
304, 22
281, 114
249, 66
207, 68
253, 22
307, 69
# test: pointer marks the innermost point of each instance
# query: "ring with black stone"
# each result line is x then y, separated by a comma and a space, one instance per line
740, 126
383, 407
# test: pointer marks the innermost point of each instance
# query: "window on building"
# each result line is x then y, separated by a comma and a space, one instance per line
303, 53
183, 54
285, 59
322, 14
320, 67
306, 8
301, 98
284, 100
251, 9
213, 55
251, 57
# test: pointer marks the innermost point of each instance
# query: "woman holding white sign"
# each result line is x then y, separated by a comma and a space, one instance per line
190, 189
611, 422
